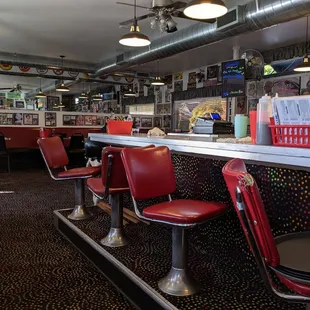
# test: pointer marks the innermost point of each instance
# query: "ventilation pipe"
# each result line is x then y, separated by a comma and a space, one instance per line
269, 13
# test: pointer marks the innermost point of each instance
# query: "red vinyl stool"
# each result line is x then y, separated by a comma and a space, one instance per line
113, 183
252, 215
55, 157
150, 174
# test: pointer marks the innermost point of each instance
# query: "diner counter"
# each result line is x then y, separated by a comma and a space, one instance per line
204, 146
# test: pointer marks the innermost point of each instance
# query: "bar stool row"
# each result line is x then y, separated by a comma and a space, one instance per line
148, 173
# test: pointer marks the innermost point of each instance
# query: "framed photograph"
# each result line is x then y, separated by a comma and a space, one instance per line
136, 122
52, 101
146, 122
212, 72
30, 119
167, 121
191, 80
94, 120
3, 119
20, 104
88, 120
158, 121
79, 120
7, 119
66, 120
50, 119
241, 105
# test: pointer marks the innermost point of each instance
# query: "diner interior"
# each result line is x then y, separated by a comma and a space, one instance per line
154, 154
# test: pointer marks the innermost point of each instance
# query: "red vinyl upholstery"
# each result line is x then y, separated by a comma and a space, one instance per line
236, 175
54, 152
297, 287
149, 171
95, 184
184, 211
79, 172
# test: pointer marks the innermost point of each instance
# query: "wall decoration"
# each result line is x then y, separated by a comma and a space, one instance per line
52, 101
68, 120
284, 87
17, 118
200, 77
212, 72
73, 73
6, 67
209, 83
58, 71
79, 120
168, 94
163, 109
136, 122
24, 68
241, 105
252, 89
2, 102
167, 121
146, 122
252, 104
20, 104
150, 90
6, 119
191, 80
268, 85
10, 103
42, 71
178, 76
30, 119
50, 119
94, 120
158, 121
88, 120
158, 94
178, 86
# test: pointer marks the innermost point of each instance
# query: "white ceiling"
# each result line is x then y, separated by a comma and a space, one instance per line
88, 31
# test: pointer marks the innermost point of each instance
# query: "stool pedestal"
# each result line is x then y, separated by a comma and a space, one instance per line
80, 211
179, 281
116, 236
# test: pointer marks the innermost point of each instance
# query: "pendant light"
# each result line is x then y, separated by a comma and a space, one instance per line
40, 94
135, 38
158, 81
129, 93
62, 86
97, 97
83, 94
205, 9
305, 65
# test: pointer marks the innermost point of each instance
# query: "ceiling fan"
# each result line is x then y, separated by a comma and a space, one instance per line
162, 13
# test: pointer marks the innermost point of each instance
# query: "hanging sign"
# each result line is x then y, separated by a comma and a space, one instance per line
58, 71
73, 73
42, 71
14, 95
6, 67
24, 68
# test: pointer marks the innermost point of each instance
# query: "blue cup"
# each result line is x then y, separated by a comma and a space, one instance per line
241, 125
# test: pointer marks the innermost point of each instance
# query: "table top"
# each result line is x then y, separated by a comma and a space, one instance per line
204, 146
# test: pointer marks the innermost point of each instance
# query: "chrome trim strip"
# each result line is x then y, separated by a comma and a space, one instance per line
138, 281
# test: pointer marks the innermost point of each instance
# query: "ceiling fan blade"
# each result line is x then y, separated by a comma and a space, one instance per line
138, 6
180, 14
130, 21
177, 5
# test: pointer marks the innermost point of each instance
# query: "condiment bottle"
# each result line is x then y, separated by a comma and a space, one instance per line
264, 112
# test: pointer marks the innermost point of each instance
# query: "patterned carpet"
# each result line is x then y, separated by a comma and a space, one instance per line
39, 269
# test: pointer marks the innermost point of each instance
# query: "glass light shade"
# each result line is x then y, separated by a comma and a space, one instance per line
129, 93
158, 81
83, 96
97, 98
205, 9
62, 88
304, 66
40, 94
135, 38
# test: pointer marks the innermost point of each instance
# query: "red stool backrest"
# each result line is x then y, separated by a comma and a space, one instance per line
54, 152
118, 177
236, 175
149, 171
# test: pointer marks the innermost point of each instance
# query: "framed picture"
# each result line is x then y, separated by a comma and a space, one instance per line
146, 122
17, 118
167, 121
158, 121
88, 120
66, 120
50, 119
52, 101
6, 119
30, 119
20, 104
212, 72
136, 122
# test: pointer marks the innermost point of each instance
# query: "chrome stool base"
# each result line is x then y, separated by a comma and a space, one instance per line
178, 282
115, 238
79, 213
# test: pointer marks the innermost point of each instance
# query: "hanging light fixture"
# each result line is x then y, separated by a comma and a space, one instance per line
129, 93
158, 81
62, 86
305, 65
97, 97
205, 9
135, 38
83, 94
40, 94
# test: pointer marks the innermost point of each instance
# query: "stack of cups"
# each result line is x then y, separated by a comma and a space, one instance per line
241, 125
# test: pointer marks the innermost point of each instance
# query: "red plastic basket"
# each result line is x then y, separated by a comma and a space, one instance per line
291, 135
119, 127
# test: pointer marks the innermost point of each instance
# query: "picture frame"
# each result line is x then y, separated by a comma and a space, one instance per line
52, 101
158, 121
146, 122
30, 119
50, 119
20, 104
6, 119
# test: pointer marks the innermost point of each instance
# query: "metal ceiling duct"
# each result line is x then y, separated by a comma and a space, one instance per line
269, 13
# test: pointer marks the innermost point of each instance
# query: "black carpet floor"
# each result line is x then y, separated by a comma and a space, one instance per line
39, 269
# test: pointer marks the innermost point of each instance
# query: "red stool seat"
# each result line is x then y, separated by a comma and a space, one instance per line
96, 186
184, 211
80, 172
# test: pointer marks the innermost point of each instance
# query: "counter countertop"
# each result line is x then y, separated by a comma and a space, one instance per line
258, 154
